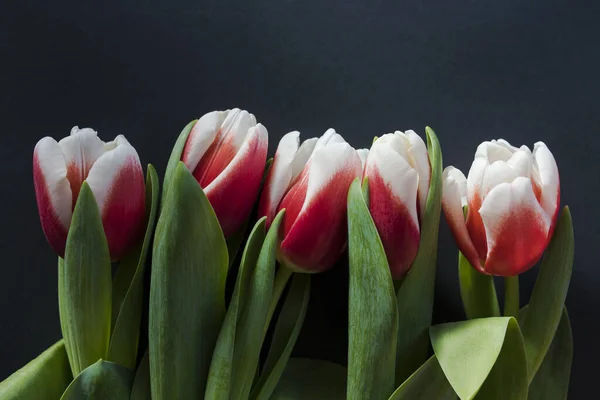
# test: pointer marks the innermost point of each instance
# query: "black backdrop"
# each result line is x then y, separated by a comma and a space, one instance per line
471, 70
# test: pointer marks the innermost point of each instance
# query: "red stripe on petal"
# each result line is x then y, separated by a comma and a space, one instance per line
293, 202
476, 228
397, 230
123, 214
215, 160
55, 232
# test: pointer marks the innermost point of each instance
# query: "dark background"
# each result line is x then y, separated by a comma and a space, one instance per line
471, 70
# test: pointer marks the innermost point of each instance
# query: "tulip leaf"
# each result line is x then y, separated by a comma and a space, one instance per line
100, 381
123, 346
428, 382
477, 291
482, 357
552, 379
415, 296
251, 333
187, 290
282, 276
141, 383
373, 317
84, 285
45, 377
175, 157
305, 378
219, 377
549, 293
286, 333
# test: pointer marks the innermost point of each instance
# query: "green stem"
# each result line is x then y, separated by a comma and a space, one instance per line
477, 291
511, 296
281, 279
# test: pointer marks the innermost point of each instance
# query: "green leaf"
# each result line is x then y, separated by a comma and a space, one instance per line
426, 383
552, 379
175, 157
305, 378
45, 377
549, 293
84, 285
483, 357
100, 381
286, 333
477, 291
187, 290
415, 296
219, 377
251, 333
373, 318
282, 276
123, 346
141, 383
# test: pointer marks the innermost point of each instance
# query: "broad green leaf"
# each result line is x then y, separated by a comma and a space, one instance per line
373, 317
549, 293
100, 381
286, 333
175, 158
552, 379
282, 276
187, 290
251, 333
219, 377
426, 383
141, 383
304, 378
84, 285
415, 296
483, 357
45, 377
477, 291
123, 348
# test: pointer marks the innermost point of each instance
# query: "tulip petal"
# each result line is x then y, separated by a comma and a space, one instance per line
454, 198
302, 156
53, 192
516, 228
419, 159
475, 196
317, 235
279, 177
117, 181
81, 150
393, 188
233, 193
201, 137
494, 151
363, 154
549, 182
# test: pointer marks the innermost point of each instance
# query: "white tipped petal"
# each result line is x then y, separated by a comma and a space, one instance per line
494, 151
363, 154
475, 177
521, 162
302, 156
547, 170
201, 137
81, 149
235, 127
454, 177
495, 174
419, 159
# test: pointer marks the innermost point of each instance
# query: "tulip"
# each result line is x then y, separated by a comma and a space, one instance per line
311, 182
512, 196
226, 152
114, 174
398, 173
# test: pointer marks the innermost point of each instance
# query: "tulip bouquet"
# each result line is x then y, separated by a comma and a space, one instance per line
142, 273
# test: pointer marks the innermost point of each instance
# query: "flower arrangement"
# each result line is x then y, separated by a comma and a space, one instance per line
226, 212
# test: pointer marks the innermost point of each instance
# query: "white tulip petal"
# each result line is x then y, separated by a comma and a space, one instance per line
457, 179
396, 141
495, 174
521, 162
302, 156
475, 178
419, 159
505, 144
202, 135
493, 151
363, 154
235, 127
547, 173
81, 149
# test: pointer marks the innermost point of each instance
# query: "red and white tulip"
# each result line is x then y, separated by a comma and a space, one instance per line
311, 182
398, 171
114, 174
513, 197
226, 152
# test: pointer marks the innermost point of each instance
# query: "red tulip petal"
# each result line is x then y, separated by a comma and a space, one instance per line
516, 226
474, 198
117, 181
233, 193
53, 192
393, 191
453, 199
318, 235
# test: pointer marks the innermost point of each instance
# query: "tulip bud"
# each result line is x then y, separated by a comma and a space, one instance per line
311, 182
226, 152
513, 197
114, 174
398, 171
